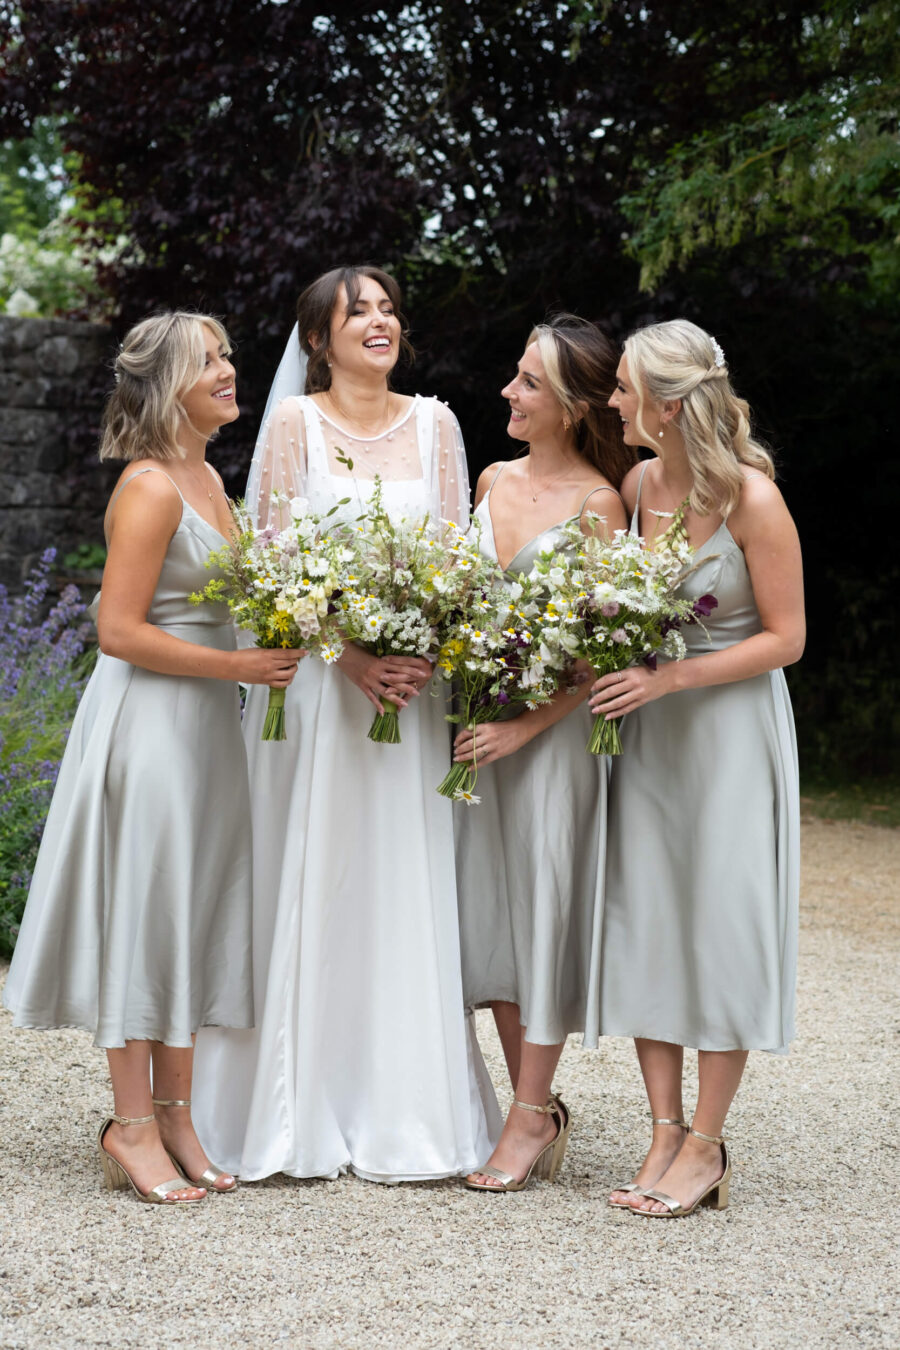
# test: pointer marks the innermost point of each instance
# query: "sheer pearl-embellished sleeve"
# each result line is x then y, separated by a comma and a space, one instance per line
452, 474
279, 466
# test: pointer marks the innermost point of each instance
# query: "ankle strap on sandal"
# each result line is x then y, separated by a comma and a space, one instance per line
157, 1101
710, 1138
664, 1120
132, 1120
547, 1110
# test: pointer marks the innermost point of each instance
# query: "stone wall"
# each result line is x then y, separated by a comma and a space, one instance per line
53, 491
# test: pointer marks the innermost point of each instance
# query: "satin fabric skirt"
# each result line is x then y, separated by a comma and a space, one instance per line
700, 928
362, 1057
530, 862
137, 925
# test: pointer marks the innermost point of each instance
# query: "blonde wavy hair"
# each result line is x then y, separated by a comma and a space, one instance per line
161, 358
678, 360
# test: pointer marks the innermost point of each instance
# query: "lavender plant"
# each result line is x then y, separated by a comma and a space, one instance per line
44, 666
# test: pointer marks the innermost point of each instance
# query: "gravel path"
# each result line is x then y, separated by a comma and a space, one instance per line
806, 1254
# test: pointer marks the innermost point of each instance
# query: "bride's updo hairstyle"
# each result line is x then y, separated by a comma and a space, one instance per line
580, 365
161, 358
316, 307
678, 360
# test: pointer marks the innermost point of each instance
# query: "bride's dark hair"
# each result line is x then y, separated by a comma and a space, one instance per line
316, 306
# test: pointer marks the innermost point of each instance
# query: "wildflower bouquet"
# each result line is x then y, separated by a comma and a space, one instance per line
407, 578
283, 586
496, 657
613, 603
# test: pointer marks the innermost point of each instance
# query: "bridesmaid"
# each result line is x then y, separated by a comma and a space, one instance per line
530, 857
137, 926
700, 925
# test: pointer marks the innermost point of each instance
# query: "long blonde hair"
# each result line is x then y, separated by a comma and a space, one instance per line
161, 358
678, 360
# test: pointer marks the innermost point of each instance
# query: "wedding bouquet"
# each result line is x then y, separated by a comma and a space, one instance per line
495, 656
283, 586
613, 603
407, 577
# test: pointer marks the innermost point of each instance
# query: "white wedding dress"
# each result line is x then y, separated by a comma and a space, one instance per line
362, 1057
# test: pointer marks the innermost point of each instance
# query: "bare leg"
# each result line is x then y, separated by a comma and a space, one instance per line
699, 1163
526, 1132
661, 1065
138, 1147
511, 1033
172, 1071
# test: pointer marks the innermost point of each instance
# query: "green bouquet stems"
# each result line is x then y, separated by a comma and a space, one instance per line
273, 726
385, 728
605, 738
460, 778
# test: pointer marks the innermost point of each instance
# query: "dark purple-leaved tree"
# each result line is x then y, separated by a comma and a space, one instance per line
502, 160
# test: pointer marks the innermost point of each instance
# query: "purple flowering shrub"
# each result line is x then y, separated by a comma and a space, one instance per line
43, 669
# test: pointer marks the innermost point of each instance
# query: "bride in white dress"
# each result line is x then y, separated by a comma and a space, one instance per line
362, 1057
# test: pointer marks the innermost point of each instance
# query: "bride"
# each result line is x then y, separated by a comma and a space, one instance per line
362, 1057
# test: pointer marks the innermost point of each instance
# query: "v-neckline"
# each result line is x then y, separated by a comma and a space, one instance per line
504, 567
186, 503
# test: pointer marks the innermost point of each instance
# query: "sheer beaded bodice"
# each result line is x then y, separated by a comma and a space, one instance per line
419, 460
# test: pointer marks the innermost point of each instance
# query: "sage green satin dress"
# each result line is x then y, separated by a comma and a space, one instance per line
137, 925
702, 882
529, 865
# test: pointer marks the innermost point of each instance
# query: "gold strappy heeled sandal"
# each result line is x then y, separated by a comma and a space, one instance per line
211, 1174
715, 1196
116, 1177
546, 1164
631, 1187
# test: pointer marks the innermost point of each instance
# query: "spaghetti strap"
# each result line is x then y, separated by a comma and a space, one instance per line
635, 518
494, 479
605, 487
149, 468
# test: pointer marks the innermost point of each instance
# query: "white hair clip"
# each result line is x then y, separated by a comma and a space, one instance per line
718, 354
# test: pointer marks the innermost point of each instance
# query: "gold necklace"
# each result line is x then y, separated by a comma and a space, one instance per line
209, 478
535, 495
383, 421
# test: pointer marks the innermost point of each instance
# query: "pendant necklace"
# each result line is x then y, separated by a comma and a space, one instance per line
549, 483
197, 483
348, 417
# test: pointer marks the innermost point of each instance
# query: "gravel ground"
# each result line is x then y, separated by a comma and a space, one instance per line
806, 1254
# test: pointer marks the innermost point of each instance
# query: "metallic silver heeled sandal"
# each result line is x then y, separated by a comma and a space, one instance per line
715, 1196
116, 1177
210, 1175
631, 1187
545, 1165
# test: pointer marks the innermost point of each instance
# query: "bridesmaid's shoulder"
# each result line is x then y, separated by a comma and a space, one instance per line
630, 483
760, 495
487, 476
761, 510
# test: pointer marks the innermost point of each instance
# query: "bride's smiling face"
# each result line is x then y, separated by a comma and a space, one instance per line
365, 336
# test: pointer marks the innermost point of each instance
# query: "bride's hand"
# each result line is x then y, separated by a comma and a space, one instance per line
391, 679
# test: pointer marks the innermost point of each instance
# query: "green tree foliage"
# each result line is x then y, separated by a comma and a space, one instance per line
817, 171
504, 159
